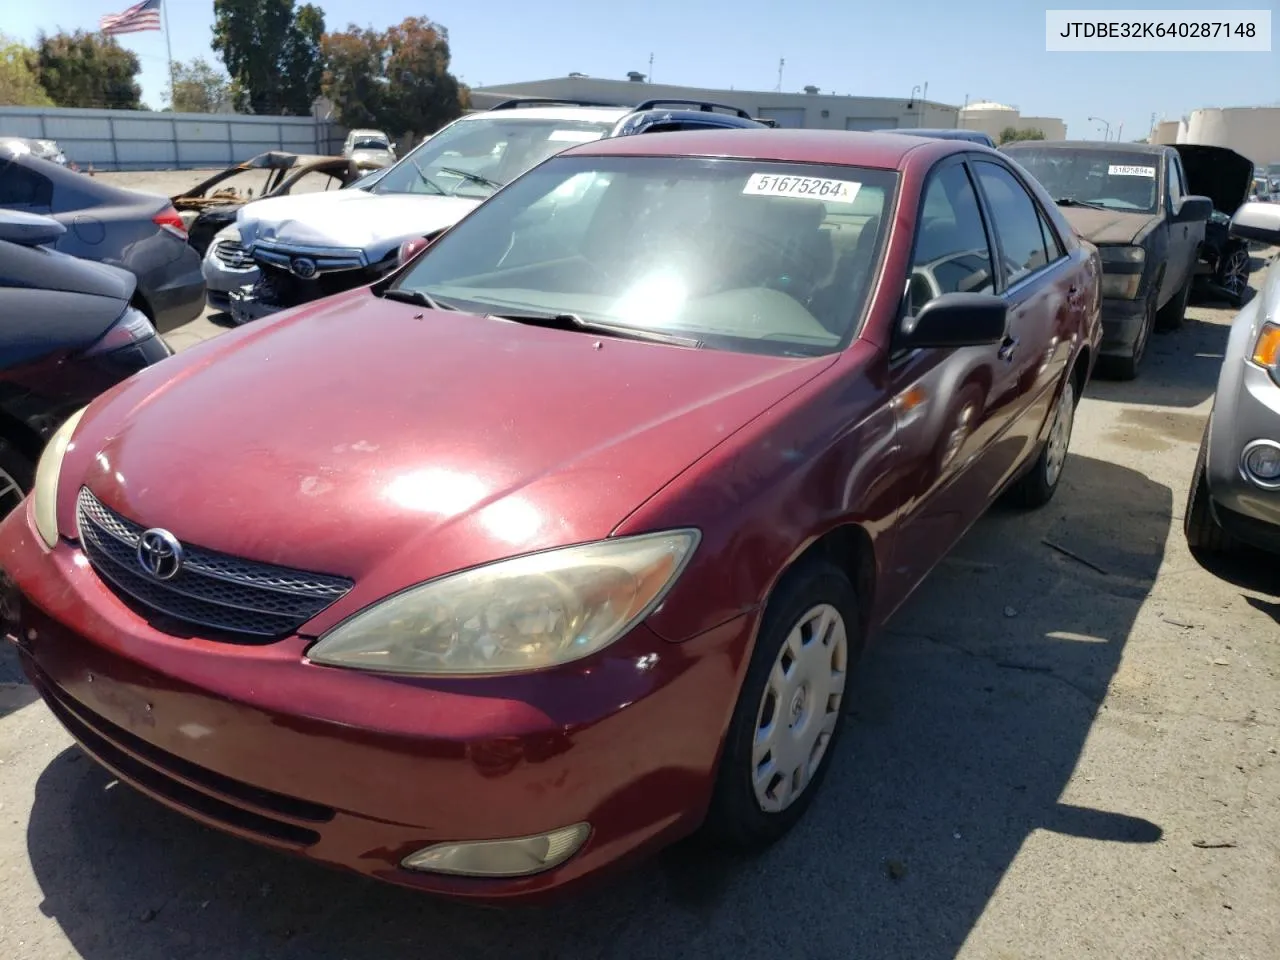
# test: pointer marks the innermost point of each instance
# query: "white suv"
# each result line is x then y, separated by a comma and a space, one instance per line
283, 251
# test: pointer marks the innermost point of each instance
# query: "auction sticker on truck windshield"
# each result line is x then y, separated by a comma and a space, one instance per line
1123, 170
809, 188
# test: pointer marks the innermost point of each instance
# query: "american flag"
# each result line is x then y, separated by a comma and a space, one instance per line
139, 17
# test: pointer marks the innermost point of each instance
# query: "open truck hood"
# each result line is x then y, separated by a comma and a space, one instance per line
1218, 173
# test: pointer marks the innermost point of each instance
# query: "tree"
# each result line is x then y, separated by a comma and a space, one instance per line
199, 87
19, 86
1011, 134
272, 52
83, 69
398, 80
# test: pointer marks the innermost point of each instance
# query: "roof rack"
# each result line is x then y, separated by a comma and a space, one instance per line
707, 106
518, 102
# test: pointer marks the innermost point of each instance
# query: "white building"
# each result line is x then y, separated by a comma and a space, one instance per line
810, 109
1253, 132
994, 118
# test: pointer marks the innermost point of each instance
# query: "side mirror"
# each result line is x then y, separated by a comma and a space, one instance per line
956, 320
1257, 221
1193, 208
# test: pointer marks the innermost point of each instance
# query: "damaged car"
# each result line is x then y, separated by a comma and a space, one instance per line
302, 248
1134, 202
1224, 177
212, 204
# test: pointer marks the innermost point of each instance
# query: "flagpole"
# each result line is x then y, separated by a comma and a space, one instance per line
168, 44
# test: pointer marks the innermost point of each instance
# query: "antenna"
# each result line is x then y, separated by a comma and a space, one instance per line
651, 68
781, 63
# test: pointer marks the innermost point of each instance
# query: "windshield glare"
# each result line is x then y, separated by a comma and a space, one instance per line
742, 255
473, 158
369, 143
1115, 180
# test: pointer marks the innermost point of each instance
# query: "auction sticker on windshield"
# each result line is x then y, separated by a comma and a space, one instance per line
1121, 170
573, 136
811, 188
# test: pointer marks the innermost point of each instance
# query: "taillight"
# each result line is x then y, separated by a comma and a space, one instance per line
169, 219
132, 326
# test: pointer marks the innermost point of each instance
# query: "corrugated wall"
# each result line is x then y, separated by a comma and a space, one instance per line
143, 140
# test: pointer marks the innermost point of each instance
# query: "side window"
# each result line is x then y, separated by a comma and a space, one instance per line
1174, 182
20, 187
1017, 221
1051, 242
952, 254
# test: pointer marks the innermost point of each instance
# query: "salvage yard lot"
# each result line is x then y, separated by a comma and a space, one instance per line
1065, 746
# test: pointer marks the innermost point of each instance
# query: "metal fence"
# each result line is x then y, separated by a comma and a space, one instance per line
143, 140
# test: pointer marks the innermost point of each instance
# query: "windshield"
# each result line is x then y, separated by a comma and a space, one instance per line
473, 158
370, 143
745, 255
1111, 179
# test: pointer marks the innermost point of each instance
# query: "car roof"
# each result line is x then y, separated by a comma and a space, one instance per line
886, 151
590, 114
1152, 149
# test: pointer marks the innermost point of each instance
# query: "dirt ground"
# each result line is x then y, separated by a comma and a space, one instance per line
1066, 746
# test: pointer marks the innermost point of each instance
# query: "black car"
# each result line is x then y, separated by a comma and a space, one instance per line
1223, 176
140, 232
69, 329
1134, 202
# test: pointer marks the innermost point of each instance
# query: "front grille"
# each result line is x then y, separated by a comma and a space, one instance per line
211, 590
324, 259
233, 255
222, 799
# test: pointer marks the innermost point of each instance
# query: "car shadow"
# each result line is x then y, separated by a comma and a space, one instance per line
1248, 568
1180, 368
967, 721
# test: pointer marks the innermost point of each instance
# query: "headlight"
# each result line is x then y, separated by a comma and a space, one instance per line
1121, 271
522, 614
44, 495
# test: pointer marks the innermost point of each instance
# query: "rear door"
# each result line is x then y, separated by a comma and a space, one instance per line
1036, 278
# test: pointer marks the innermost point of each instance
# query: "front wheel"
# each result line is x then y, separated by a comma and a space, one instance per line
1203, 532
1232, 275
1126, 368
790, 709
1174, 313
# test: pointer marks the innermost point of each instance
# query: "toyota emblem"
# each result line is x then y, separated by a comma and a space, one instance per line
160, 554
303, 267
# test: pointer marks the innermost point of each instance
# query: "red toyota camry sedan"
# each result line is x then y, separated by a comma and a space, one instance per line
564, 539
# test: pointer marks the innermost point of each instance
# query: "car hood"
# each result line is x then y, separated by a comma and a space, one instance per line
1107, 226
1218, 173
391, 444
372, 222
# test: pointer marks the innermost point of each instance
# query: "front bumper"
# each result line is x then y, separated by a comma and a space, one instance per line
1247, 408
244, 306
358, 771
1121, 323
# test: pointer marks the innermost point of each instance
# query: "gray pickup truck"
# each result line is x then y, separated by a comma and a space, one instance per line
1132, 201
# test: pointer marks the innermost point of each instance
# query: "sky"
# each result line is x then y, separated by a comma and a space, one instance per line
981, 50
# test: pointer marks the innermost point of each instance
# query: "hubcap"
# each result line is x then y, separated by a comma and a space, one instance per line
10, 493
1060, 434
798, 712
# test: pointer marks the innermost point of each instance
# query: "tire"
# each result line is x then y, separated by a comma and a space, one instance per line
806, 719
1126, 368
1174, 313
1232, 274
1037, 486
17, 473
1204, 535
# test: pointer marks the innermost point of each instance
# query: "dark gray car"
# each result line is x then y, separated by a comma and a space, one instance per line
1235, 489
139, 232
1132, 201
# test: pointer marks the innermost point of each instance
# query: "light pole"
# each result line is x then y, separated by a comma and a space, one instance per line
912, 101
1107, 134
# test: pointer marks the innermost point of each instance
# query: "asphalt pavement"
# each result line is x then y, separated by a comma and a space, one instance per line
1065, 746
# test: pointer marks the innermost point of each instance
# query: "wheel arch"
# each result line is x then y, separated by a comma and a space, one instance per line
849, 547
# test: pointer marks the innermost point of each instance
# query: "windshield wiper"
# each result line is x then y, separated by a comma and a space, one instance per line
571, 321
1073, 202
416, 297
425, 179
473, 177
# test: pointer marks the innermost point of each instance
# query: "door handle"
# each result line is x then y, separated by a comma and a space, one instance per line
1007, 349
